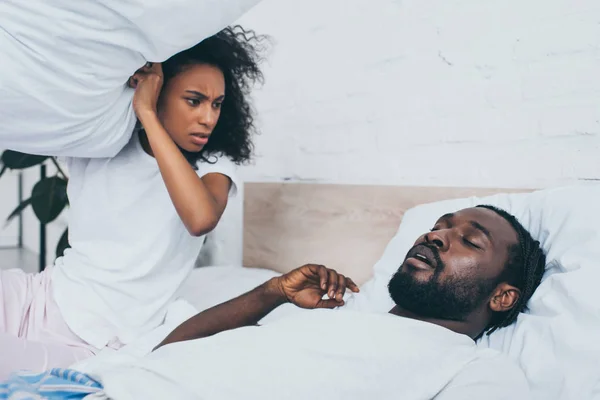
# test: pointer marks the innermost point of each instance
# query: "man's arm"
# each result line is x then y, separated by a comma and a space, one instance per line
304, 287
244, 310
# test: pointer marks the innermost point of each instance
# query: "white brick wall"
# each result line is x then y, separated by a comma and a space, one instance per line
438, 92
420, 92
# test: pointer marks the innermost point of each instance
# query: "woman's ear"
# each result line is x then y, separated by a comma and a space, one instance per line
504, 298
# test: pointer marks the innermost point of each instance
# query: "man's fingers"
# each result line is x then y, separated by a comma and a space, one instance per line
341, 290
329, 303
352, 286
323, 276
333, 284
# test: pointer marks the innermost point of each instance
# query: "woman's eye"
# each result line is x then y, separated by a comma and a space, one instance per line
218, 105
193, 102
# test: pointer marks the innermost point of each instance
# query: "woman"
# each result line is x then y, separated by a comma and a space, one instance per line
137, 220
64, 65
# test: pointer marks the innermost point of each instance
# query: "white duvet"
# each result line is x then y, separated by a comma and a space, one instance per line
320, 354
64, 65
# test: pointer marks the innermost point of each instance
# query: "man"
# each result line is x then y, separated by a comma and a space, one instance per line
471, 274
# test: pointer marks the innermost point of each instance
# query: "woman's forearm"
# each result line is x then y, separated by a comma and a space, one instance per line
196, 206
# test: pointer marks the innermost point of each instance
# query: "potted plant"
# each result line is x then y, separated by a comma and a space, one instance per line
48, 196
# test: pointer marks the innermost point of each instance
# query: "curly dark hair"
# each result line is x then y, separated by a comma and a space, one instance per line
236, 52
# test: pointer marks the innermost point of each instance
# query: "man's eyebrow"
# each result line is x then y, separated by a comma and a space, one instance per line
446, 217
482, 228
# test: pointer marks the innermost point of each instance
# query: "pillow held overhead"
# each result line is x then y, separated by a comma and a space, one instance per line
65, 64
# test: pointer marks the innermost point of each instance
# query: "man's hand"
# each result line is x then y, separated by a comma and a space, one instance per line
306, 286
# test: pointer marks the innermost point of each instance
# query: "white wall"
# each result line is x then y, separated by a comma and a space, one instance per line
439, 92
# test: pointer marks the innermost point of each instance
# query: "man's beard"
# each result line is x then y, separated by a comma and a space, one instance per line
452, 299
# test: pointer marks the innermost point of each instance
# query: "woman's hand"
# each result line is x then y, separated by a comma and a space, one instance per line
147, 82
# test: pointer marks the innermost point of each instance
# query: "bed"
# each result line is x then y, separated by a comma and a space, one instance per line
362, 230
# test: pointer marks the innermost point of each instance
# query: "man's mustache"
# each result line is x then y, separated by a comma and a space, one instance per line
439, 264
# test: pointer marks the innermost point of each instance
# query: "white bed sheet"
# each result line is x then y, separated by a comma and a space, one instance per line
206, 287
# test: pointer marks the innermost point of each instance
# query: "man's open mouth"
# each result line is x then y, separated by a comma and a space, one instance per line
424, 254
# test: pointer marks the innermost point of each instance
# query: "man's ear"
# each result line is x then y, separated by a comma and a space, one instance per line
504, 297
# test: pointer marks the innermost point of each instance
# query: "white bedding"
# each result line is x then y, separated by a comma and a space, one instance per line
323, 354
206, 287
65, 64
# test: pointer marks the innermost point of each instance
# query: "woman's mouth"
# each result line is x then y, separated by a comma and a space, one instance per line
199, 139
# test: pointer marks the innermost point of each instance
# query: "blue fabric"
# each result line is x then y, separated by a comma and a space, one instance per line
55, 384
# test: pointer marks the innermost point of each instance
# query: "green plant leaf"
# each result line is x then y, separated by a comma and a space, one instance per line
15, 160
63, 244
49, 198
18, 210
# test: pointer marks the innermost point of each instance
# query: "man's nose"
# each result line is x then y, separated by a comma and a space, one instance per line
438, 238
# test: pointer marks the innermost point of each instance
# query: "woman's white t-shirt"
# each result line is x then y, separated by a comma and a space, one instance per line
130, 252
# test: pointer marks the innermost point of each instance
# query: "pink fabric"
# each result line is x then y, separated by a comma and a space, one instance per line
33, 334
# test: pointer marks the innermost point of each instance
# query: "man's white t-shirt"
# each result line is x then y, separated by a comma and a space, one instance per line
130, 252
319, 354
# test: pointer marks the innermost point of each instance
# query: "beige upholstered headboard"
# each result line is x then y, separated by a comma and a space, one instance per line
345, 227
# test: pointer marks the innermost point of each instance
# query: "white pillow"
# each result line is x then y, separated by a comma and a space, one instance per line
556, 342
65, 64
